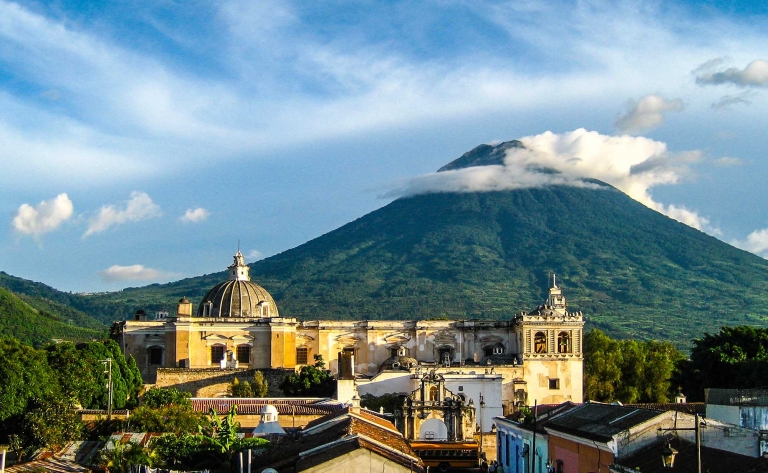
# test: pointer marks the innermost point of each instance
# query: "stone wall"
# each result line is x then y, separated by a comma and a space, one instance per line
214, 382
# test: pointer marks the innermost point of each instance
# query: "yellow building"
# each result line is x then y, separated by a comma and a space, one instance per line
238, 325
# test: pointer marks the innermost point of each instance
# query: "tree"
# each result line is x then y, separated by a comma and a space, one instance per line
175, 418
310, 381
238, 389
25, 375
260, 385
628, 370
736, 357
118, 457
81, 372
51, 423
160, 397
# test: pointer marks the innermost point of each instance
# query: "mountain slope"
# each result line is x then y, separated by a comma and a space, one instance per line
37, 327
633, 271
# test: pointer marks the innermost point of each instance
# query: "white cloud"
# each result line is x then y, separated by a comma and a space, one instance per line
195, 215
754, 75
138, 207
46, 216
136, 272
254, 255
756, 242
646, 113
632, 164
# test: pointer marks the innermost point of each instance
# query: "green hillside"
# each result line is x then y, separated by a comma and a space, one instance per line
20, 320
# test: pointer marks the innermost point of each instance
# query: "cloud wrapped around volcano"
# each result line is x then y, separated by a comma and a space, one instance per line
633, 164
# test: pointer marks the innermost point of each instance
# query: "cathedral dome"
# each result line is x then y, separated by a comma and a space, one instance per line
238, 296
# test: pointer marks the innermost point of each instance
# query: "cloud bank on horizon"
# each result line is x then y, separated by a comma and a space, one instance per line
634, 165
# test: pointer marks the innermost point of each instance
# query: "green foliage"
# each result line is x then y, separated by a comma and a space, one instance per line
118, 457
160, 397
82, 373
38, 326
50, 423
310, 381
628, 370
260, 385
736, 357
24, 376
389, 402
174, 418
238, 389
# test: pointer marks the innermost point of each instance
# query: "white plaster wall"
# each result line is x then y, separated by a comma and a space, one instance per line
473, 385
358, 461
399, 382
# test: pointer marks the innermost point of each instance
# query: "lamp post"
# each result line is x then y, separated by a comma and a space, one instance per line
668, 453
3, 449
482, 406
108, 370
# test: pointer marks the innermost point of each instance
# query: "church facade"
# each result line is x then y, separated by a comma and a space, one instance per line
237, 324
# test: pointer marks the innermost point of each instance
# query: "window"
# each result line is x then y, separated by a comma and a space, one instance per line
302, 355
540, 342
564, 342
488, 351
433, 393
554, 383
393, 352
445, 355
461, 388
244, 354
155, 355
265, 310
217, 353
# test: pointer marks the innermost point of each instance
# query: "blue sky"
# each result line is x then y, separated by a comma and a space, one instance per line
140, 141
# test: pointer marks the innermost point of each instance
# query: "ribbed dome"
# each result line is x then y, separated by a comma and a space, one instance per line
238, 297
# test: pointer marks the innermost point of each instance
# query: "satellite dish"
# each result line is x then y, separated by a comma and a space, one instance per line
268, 470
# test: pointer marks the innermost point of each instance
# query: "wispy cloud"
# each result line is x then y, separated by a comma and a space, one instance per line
728, 101
44, 217
300, 77
632, 164
195, 215
136, 272
138, 207
755, 74
646, 114
254, 255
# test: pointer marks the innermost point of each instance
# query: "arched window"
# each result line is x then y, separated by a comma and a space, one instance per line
433, 394
540, 342
155, 356
564, 342
217, 353
244, 353
265, 310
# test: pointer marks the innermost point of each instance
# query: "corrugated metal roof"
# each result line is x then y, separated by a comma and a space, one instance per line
254, 406
597, 421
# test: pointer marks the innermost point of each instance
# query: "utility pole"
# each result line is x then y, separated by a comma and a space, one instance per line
108, 370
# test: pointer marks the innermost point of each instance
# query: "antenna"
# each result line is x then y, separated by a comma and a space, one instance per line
238, 244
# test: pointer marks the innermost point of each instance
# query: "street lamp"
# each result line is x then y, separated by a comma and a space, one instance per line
668, 456
668, 453
108, 371
482, 406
